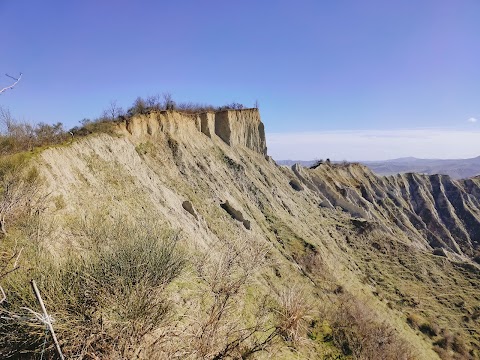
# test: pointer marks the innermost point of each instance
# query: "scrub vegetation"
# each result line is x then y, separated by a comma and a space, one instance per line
140, 249
18, 136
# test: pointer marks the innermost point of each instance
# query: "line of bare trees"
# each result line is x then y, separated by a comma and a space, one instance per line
17, 136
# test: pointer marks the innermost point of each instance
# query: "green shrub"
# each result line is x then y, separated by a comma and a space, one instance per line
104, 301
100, 125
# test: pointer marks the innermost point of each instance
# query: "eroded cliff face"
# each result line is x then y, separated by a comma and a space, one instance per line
235, 127
331, 231
431, 211
241, 128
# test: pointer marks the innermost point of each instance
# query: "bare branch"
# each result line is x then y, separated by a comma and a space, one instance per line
12, 85
4, 297
18, 257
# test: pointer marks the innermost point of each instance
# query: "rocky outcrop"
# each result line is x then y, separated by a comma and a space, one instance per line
296, 185
241, 127
431, 211
141, 128
235, 214
234, 127
434, 211
208, 123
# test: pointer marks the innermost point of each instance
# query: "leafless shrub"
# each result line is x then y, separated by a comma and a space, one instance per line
9, 262
139, 107
17, 136
220, 333
194, 108
231, 106
216, 330
168, 103
359, 333
46, 134
113, 112
153, 102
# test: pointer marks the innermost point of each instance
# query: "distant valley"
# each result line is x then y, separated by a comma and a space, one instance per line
455, 168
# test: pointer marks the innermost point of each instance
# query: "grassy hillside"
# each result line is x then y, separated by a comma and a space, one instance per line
160, 241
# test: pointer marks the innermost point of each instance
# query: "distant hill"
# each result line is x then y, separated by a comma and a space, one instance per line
455, 168
306, 163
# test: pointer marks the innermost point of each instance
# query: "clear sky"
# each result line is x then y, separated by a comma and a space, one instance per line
320, 69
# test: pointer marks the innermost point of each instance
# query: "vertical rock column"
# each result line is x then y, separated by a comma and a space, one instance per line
208, 123
241, 128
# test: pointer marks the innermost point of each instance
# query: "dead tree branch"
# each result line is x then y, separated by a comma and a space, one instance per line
12, 85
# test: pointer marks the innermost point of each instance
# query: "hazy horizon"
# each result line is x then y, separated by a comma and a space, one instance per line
374, 145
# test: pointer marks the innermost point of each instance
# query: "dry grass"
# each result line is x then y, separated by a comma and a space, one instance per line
104, 300
292, 314
19, 187
439, 297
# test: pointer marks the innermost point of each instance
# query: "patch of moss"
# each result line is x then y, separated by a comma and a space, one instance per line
144, 148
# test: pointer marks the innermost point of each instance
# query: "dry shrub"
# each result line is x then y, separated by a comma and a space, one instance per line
193, 108
446, 354
226, 273
154, 103
19, 185
227, 317
104, 301
359, 332
292, 314
427, 327
17, 136
452, 346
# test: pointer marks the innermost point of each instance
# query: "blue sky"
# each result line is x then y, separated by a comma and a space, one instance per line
316, 67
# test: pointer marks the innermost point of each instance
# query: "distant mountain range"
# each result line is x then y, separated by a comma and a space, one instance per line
455, 168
